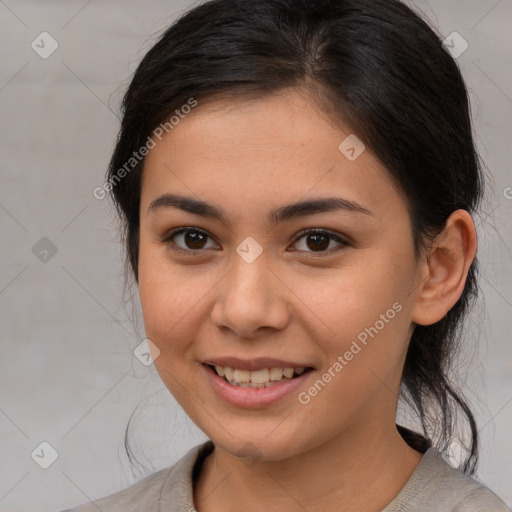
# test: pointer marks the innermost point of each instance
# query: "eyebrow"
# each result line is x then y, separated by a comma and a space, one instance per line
281, 214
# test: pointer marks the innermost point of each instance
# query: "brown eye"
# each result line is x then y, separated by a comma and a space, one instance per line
187, 239
318, 241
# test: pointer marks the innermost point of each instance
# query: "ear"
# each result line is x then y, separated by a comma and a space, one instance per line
444, 268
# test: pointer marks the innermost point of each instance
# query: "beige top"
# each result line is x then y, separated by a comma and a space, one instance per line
433, 487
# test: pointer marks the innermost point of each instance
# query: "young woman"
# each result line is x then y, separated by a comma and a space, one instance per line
296, 180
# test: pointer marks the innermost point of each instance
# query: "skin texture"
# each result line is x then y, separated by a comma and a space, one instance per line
248, 157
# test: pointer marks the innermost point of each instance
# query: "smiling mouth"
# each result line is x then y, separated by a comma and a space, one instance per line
263, 378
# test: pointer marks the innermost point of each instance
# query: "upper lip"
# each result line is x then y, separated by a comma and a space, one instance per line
258, 363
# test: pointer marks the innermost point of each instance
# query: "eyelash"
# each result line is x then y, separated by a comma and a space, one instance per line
167, 240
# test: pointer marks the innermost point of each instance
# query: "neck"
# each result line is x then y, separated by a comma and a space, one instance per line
349, 472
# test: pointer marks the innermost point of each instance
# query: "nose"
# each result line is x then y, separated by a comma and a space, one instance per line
252, 300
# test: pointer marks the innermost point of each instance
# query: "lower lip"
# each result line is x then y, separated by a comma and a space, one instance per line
254, 397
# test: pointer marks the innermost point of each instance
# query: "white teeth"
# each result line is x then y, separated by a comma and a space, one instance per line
288, 373
260, 376
242, 376
257, 378
276, 373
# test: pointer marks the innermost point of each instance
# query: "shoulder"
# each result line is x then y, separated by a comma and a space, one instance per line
436, 486
142, 492
169, 489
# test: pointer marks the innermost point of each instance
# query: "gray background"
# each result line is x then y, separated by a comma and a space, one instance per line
68, 375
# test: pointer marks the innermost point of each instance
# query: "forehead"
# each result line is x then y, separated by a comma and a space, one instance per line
266, 151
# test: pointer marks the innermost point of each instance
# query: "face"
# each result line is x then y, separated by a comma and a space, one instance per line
246, 285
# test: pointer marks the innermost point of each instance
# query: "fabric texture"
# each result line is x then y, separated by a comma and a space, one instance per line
435, 486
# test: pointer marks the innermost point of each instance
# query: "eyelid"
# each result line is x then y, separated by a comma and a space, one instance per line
342, 241
321, 231
166, 238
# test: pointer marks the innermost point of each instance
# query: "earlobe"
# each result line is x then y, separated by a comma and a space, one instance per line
445, 268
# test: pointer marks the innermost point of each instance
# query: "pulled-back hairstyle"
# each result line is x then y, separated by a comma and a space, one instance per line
373, 65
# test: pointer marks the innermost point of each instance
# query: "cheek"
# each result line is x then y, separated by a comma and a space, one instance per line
163, 295
167, 302
342, 302
173, 300
361, 315
166, 307
361, 356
